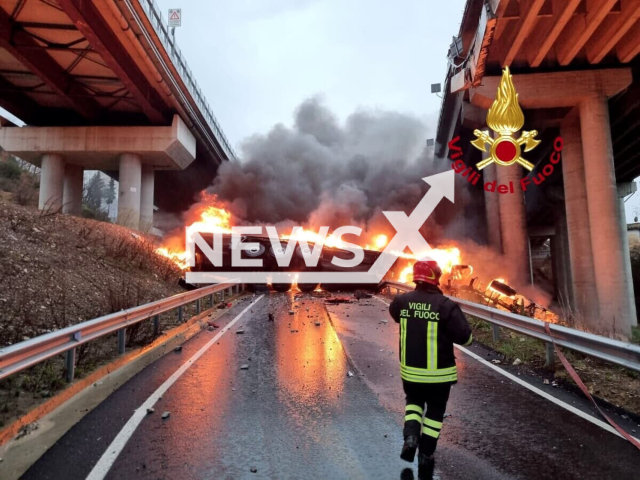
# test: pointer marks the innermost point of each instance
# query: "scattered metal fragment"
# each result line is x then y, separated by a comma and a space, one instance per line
244, 366
166, 415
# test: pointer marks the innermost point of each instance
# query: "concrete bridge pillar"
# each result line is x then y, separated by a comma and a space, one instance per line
146, 198
129, 179
607, 245
492, 209
51, 182
513, 225
585, 293
72, 194
625, 189
560, 257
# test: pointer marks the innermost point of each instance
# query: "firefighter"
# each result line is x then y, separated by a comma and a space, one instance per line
430, 324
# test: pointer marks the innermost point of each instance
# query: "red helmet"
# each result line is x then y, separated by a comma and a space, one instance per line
427, 270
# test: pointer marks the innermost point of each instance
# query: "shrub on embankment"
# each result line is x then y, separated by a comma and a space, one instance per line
57, 270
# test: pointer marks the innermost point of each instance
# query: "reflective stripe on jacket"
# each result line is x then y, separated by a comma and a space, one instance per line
430, 324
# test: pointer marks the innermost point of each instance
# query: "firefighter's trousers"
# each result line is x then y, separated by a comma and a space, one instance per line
416, 422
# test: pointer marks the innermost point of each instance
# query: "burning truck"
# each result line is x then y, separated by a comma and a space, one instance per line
459, 278
263, 250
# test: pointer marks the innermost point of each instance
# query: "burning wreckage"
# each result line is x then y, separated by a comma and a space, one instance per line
458, 279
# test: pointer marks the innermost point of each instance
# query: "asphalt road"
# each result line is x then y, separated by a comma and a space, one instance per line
295, 412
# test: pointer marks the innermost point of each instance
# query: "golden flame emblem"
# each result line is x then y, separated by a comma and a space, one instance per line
505, 118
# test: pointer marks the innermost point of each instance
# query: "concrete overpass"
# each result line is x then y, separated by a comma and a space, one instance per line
575, 69
81, 75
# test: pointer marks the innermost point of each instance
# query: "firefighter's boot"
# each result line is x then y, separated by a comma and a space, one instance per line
426, 464
409, 448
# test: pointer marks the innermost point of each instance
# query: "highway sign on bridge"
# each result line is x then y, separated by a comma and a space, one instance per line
175, 17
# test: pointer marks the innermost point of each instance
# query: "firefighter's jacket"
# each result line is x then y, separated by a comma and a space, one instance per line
430, 324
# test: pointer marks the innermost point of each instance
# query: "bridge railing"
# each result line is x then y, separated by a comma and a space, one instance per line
168, 41
19, 356
613, 351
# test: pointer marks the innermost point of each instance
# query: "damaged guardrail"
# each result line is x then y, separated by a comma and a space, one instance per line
19, 356
603, 348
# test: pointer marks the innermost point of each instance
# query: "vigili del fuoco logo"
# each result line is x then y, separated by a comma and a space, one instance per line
505, 118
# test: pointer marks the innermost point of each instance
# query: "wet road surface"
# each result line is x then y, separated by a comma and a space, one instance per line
497, 428
296, 413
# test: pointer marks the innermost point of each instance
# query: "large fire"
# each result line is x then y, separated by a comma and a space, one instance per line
210, 215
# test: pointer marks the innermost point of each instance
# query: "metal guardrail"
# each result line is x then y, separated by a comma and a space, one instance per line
19, 356
168, 41
603, 348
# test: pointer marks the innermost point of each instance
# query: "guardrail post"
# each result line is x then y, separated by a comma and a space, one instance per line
230, 291
495, 333
70, 364
122, 335
197, 306
550, 359
222, 295
180, 313
211, 301
156, 325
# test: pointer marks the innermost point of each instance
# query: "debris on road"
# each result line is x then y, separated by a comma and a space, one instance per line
349, 373
211, 329
362, 294
317, 324
254, 470
496, 361
27, 429
239, 332
294, 331
335, 300
166, 415
447, 415
178, 348
384, 321
546, 381
211, 324
244, 366
271, 317
291, 312
517, 361
150, 410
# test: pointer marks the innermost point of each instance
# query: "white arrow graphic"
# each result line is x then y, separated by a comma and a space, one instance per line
408, 228
407, 235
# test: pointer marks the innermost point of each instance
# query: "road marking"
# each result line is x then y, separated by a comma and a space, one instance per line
107, 460
535, 389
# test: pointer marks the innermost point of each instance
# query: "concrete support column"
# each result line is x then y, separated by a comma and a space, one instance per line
72, 194
129, 192
492, 209
625, 189
51, 182
513, 225
561, 260
585, 293
146, 199
607, 244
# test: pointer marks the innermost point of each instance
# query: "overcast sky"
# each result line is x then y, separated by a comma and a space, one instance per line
257, 60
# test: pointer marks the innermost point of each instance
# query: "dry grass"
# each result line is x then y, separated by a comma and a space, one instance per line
616, 385
57, 270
